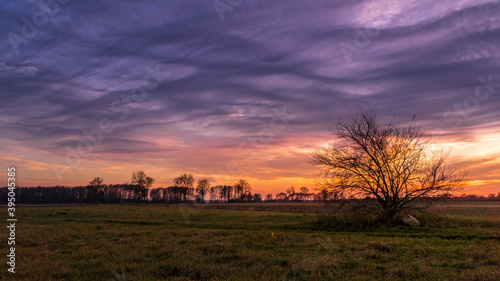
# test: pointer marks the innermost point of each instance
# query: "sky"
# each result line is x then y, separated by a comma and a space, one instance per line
231, 89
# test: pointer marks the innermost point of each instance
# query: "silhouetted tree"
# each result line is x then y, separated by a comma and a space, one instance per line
303, 195
202, 188
391, 163
141, 182
185, 183
226, 192
156, 195
215, 194
291, 193
241, 188
257, 197
323, 194
94, 186
173, 194
281, 196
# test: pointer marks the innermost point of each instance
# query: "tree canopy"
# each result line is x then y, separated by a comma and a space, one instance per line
141, 183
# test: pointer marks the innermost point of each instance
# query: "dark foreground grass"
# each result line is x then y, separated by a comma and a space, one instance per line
133, 242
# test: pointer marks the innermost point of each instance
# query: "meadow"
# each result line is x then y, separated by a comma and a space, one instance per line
261, 241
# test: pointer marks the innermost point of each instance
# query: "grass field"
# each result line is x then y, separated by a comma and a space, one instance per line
279, 242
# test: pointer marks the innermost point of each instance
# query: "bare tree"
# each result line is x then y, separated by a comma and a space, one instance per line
391, 163
226, 192
242, 187
304, 193
324, 193
257, 197
202, 188
215, 193
269, 197
141, 184
291, 192
304, 190
281, 196
96, 182
185, 183
95, 185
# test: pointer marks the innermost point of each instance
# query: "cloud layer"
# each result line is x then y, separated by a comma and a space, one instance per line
214, 86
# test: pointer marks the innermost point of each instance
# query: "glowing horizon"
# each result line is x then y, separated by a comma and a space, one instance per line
240, 167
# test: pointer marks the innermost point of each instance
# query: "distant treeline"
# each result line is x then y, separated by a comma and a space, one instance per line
129, 193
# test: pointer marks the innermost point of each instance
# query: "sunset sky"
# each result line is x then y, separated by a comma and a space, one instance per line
238, 89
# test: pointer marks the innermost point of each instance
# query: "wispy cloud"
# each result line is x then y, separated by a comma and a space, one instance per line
226, 77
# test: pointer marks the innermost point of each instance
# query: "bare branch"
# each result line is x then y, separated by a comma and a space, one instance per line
390, 162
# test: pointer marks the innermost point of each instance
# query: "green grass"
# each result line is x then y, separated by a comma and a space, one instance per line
133, 242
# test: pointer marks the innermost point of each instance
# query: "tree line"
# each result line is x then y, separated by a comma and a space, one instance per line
139, 189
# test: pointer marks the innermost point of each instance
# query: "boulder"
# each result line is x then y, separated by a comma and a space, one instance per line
409, 220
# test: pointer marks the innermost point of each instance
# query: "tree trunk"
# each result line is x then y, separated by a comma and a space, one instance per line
389, 213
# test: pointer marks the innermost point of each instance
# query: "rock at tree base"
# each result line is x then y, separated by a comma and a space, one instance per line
411, 220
